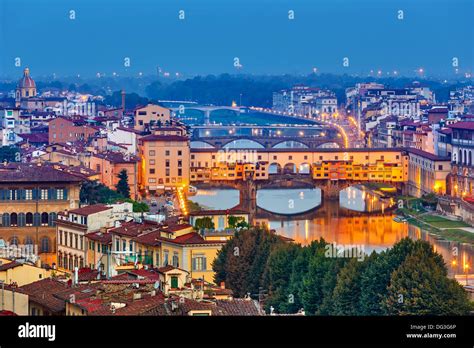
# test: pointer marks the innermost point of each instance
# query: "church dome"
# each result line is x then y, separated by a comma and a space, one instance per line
26, 81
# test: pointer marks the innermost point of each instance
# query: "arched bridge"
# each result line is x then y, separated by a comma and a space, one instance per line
206, 110
268, 142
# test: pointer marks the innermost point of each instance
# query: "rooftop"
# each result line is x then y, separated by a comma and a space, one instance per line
21, 172
90, 209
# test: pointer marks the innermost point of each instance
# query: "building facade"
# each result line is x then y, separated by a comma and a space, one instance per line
31, 196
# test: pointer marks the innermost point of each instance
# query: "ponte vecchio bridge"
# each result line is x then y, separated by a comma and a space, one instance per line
329, 169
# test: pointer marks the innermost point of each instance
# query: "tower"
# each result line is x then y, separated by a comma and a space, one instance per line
123, 101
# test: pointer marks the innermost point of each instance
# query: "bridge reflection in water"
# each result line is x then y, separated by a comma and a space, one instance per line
329, 219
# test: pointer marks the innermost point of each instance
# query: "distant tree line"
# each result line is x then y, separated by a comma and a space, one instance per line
408, 279
222, 89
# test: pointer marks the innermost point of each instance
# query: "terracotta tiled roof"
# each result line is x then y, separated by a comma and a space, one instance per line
469, 125
134, 229
20, 172
116, 157
427, 155
90, 209
101, 237
10, 265
42, 292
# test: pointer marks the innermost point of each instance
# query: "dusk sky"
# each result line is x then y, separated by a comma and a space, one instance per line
214, 32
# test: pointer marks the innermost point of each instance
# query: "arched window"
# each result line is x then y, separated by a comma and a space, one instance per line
465, 157
29, 219
460, 157
45, 245
29, 240
14, 240
470, 158
44, 219
13, 219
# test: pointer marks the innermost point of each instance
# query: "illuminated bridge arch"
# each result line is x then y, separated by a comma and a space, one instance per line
304, 168
329, 145
274, 168
290, 144
199, 144
243, 144
290, 168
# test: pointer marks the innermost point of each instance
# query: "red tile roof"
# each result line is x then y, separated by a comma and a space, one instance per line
42, 292
90, 209
10, 265
20, 172
469, 125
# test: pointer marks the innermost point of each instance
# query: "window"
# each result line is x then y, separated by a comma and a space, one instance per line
175, 259
180, 163
167, 163
131, 245
180, 172
124, 245
29, 194
45, 245
152, 162
199, 263
59, 194
180, 153
167, 172
440, 167
44, 194
152, 170
167, 152
165, 257
151, 152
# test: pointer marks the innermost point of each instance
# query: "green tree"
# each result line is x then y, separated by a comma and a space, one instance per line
241, 261
277, 278
347, 290
237, 222
93, 192
204, 223
122, 185
420, 286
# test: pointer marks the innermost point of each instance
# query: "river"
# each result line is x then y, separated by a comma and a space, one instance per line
358, 218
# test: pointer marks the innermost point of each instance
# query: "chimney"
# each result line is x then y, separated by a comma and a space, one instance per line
76, 275
222, 285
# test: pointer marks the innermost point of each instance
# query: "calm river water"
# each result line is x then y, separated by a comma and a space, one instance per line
357, 218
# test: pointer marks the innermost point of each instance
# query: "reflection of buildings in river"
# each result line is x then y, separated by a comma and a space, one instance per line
376, 232
456, 255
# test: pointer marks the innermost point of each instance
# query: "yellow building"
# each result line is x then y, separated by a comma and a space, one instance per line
162, 245
164, 162
31, 196
428, 173
151, 115
335, 164
22, 273
13, 300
